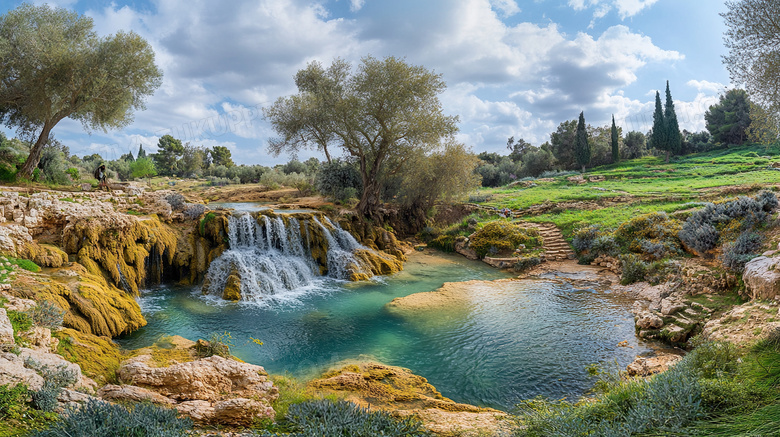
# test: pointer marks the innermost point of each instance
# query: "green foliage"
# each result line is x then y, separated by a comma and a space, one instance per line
614, 141
746, 247
13, 401
658, 133
729, 119
73, 173
54, 379
169, 151
502, 236
634, 146
633, 268
98, 418
220, 155
142, 168
339, 179
218, 344
324, 418
47, 314
526, 262
99, 80
581, 143
20, 321
673, 135
207, 218
654, 236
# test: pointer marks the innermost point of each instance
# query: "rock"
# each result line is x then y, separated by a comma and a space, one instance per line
13, 372
744, 324
646, 366
463, 424
41, 359
762, 277
462, 247
199, 411
86, 187
6, 330
72, 399
232, 289
669, 306
649, 320
40, 339
123, 393
205, 379
674, 333
241, 412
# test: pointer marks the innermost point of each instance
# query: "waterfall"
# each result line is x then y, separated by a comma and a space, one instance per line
272, 256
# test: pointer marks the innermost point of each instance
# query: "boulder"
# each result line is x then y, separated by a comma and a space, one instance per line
41, 359
232, 289
670, 306
462, 247
762, 277
6, 330
649, 320
208, 379
13, 372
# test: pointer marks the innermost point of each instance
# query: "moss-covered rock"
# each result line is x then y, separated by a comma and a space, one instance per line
98, 357
232, 289
502, 237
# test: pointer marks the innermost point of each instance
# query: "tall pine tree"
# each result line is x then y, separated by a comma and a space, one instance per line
581, 145
658, 138
141, 152
672, 128
615, 150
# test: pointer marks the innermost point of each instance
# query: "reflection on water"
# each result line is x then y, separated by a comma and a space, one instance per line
513, 339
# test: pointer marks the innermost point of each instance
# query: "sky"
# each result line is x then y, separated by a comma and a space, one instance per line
512, 68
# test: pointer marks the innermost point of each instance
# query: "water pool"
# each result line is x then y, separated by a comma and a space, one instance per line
505, 343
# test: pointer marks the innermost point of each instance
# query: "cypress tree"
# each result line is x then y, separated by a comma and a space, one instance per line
672, 128
658, 139
141, 152
615, 150
581, 146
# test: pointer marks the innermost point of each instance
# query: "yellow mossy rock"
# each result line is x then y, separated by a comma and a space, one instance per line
98, 357
387, 387
51, 256
168, 350
232, 289
379, 262
92, 305
118, 246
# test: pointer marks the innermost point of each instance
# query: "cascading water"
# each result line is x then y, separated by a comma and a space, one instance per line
273, 258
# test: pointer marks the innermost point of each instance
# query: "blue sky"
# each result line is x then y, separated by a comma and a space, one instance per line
513, 68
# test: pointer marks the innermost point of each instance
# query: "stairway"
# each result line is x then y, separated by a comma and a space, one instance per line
555, 247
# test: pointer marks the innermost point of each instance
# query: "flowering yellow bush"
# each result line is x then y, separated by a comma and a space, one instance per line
501, 237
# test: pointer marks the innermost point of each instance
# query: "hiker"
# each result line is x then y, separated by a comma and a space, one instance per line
100, 175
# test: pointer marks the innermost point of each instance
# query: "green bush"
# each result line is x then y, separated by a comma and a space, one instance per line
746, 247
339, 180
20, 321
634, 269
98, 418
324, 418
502, 236
654, 236
54, 379
13, 401
73, 173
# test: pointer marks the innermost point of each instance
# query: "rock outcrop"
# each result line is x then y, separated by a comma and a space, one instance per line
650, 365
404, 393
211, 390
762, 277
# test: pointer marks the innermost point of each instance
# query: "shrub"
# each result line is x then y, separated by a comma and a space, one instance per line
47, 314
194, 210
712, 359
583, 238
54, 380
218, 344
98, 418
657, 272
12, 401
445, 243
634, 269
324, 418
767, 200
655, 232
743, 249
526, 263
73, 173
497, 236
176, 200
20, 322
339, 180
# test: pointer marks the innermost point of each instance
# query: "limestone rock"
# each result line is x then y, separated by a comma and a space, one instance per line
462, 247
72, 399
649, 320
241, 412
123, 393
13, 372
658, 363
42, 359
669, 306
40, 339
6, 330
232, 289
199, 411
762, 277
205, 379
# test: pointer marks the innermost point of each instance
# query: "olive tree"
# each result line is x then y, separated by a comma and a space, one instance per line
54, 66
383, 114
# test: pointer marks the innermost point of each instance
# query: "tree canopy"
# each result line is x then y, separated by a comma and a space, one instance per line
666, 133
614, 137
220, 155
169, 151
54, 66
382, 114
729, 119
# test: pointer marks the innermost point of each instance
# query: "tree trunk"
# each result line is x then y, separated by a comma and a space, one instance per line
35, 154
369, 201
667, 157
583, 169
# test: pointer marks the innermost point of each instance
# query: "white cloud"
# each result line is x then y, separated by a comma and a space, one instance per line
356, 5
625, 8
629, 8
507, 8
704, 85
